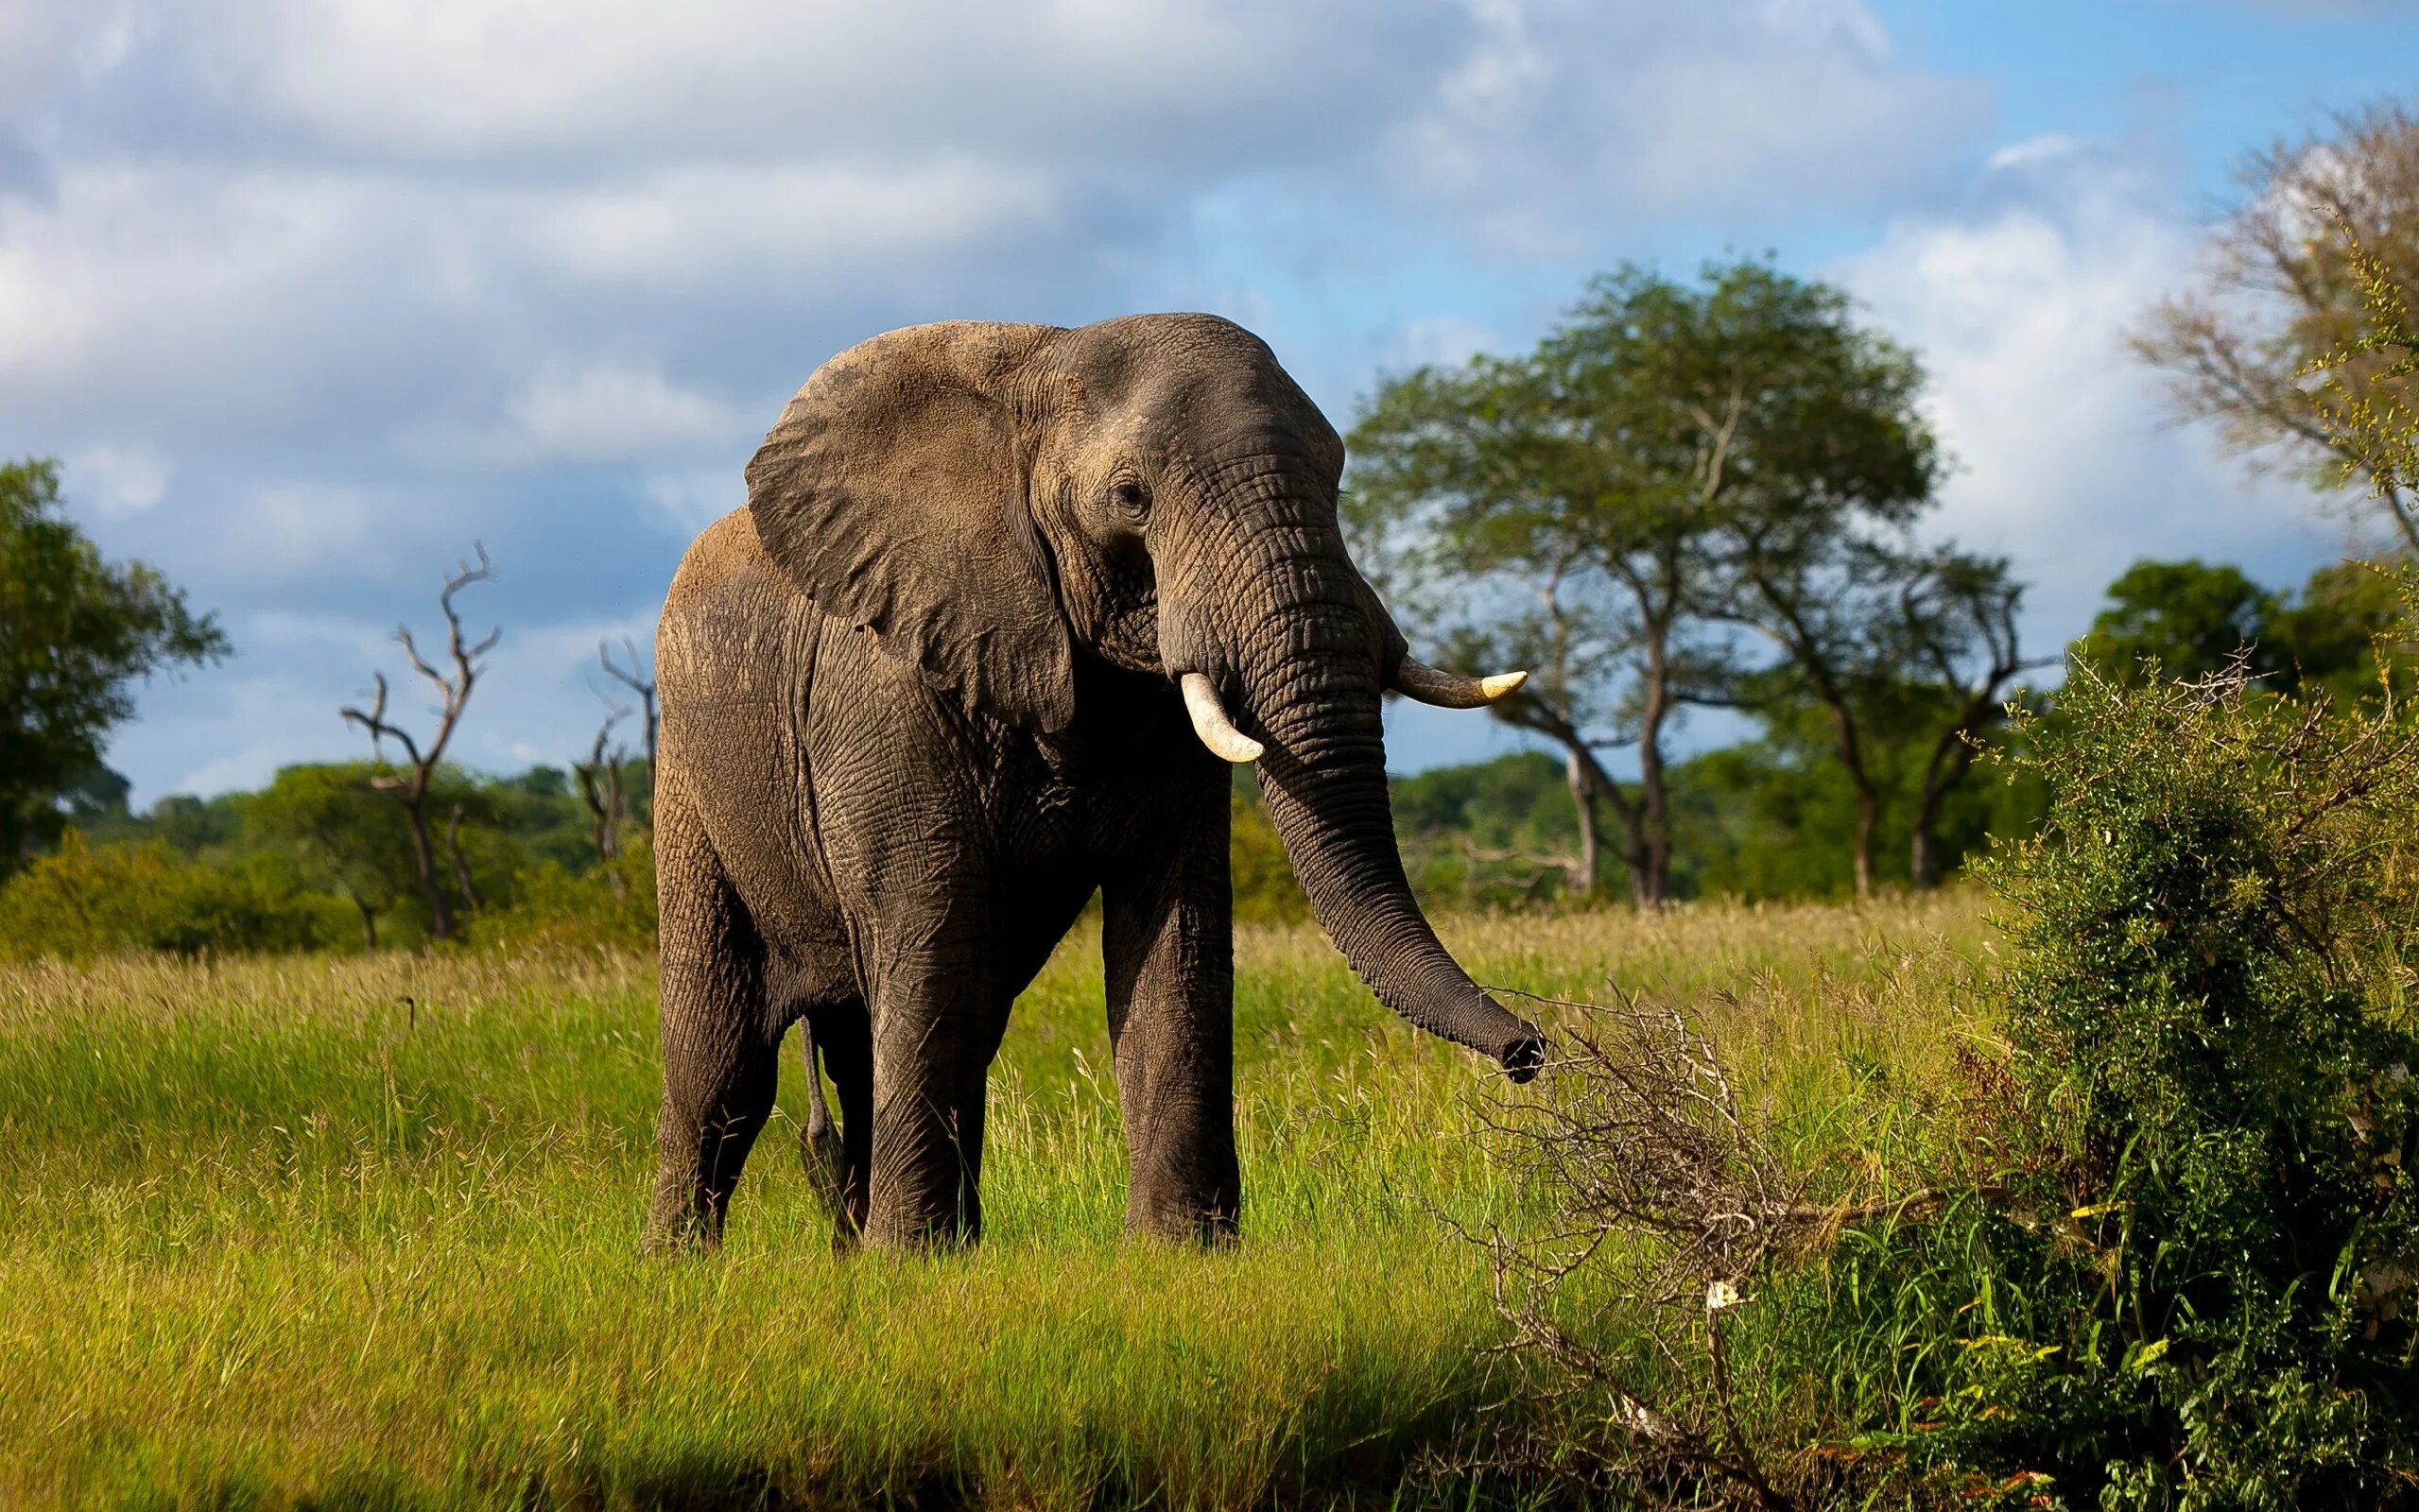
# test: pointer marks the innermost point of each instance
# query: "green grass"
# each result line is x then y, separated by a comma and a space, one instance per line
363, 1232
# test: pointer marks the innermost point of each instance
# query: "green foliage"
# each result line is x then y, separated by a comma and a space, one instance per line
1265, 887
2191, 618
1492, 835
76, 633
81, 901
2188, 616
2195, 1287
346, 837
604, 906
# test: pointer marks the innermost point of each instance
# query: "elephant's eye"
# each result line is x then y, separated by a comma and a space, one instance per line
1130, 497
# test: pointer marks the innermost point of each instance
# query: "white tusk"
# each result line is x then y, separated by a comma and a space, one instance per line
1451, 689
1210, 722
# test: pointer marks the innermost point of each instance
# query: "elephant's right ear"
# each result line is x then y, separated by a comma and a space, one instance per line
892, 493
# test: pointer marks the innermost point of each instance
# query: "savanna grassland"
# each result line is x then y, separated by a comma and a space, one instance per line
362, 1231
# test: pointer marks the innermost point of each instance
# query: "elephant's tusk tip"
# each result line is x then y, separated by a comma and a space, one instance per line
1423, 683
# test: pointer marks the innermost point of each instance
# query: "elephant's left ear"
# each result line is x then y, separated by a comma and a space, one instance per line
892, 493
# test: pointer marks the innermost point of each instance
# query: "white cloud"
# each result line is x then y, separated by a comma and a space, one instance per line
2019, 310
610, 412
116, 480
1746, 110
805, 220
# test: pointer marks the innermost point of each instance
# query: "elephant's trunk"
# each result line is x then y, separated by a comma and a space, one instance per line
1307, 675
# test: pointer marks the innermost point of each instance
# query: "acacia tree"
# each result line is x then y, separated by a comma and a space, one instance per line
76, 633
2281, 294
1673, 465
414, 788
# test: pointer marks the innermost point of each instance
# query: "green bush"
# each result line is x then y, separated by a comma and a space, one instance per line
2192, 1284
84, 900
607, 905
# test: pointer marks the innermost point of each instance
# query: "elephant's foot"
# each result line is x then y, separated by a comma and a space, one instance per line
1211, 1227
682, 1222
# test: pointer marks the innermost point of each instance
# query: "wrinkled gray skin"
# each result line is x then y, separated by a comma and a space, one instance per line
920, 699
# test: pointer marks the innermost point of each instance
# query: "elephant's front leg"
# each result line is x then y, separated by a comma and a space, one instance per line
937, 1023
1169, 949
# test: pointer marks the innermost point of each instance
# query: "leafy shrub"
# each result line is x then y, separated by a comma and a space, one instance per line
608, 906
84, 900
2195, 1289
1265, 890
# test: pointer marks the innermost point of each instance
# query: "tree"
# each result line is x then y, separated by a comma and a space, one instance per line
345, 831
1832, 463
2194, 620
635, 674
600, 789
1673, 465
2283, 294
1956, 628
414, 788
76, 633
2192, 616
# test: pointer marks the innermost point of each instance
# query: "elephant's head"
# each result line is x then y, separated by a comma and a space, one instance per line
1156, 491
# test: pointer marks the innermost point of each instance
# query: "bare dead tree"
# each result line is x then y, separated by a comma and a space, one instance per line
2277, 295
600, 789
412, 788
639, 679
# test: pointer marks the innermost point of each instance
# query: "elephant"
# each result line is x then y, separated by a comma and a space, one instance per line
1003, 603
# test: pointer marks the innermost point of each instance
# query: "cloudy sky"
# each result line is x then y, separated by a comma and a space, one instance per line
310, 295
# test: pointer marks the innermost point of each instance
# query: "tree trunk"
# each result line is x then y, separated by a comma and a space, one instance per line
2404, 520
1585, 875
369, 924
423, 855
1868, 825
1654, 804
1951, 759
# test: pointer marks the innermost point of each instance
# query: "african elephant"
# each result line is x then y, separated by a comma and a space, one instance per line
1000, 599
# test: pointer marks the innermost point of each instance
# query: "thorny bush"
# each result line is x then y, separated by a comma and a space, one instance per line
2185, 1276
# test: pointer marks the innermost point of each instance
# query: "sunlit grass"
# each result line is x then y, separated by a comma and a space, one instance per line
364, 1231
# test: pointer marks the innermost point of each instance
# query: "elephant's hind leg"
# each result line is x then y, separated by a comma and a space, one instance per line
721, 1057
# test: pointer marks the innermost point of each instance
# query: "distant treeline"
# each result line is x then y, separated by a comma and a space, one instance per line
323, 858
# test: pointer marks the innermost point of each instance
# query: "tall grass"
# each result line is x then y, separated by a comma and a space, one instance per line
363, 1231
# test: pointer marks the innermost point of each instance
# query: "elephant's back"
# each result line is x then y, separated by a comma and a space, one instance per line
727, 617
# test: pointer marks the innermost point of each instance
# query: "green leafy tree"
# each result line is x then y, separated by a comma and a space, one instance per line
2188, 616
76, 633
1675, 467
346, 835
2193, 620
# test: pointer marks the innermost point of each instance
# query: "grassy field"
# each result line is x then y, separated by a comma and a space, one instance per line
363, 1232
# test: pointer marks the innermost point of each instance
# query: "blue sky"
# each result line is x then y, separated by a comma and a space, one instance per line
309, 295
